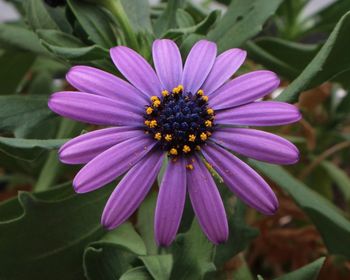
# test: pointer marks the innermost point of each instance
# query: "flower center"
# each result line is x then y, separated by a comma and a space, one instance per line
180, 121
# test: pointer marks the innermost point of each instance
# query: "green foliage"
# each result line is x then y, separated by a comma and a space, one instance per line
243, 20
58, 229
330, 222
18, 114
193, 254
95, 23
308, 272
19, 64
330, 61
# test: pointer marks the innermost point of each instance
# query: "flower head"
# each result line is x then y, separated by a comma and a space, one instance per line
194, 115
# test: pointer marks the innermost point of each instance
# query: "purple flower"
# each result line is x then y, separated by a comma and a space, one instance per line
191, 114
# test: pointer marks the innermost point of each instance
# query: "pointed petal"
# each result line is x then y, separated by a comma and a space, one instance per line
95, 81
244, 89
198, 64
257, 144
112, 163
85, 147
207, 203
168, 63
136, 70
170, 202
131, 190
226, 64
266, 113
241, 179
94, 109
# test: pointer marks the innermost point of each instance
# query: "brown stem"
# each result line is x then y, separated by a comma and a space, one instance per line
323, 156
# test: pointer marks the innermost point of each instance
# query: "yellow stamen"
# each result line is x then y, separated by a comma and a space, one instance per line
158, 136
200, 92
173, 152
168, 137
203, 136
189, 166
210, 111
178, 89
205, 98
186, 149
198, 148
191, 137
153, 124
208, 123
147, 122
156, 103
154, 98
165, 93
149, 110
208, 133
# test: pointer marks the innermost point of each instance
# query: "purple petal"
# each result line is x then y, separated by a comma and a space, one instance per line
207, 203
168, 63
257, 144
241, 179
112, 163
131, 190
244, 89
136, 70
95, 81
170, 202
198, 64
85, 147
226, 64
266, 113
94, 109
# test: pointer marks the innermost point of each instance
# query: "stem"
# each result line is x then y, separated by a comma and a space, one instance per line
52, 166
323, 156
117, 9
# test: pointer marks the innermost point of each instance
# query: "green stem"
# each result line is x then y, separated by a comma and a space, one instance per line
51, 170
117, 9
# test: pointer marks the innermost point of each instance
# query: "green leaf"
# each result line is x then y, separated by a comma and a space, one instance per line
200, 28
17, 66
139, 14
307, 272
95, 22
18, 37
330, 61
240, 235
287, 58
145, 222
158, 266
70, 48
184, 19
167, 19
18, 114
193, 254
38, 16
333, 227
137, 273
105, 261
112, 256
243, 20
28, 149
126, 237
339, 177
48, 239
